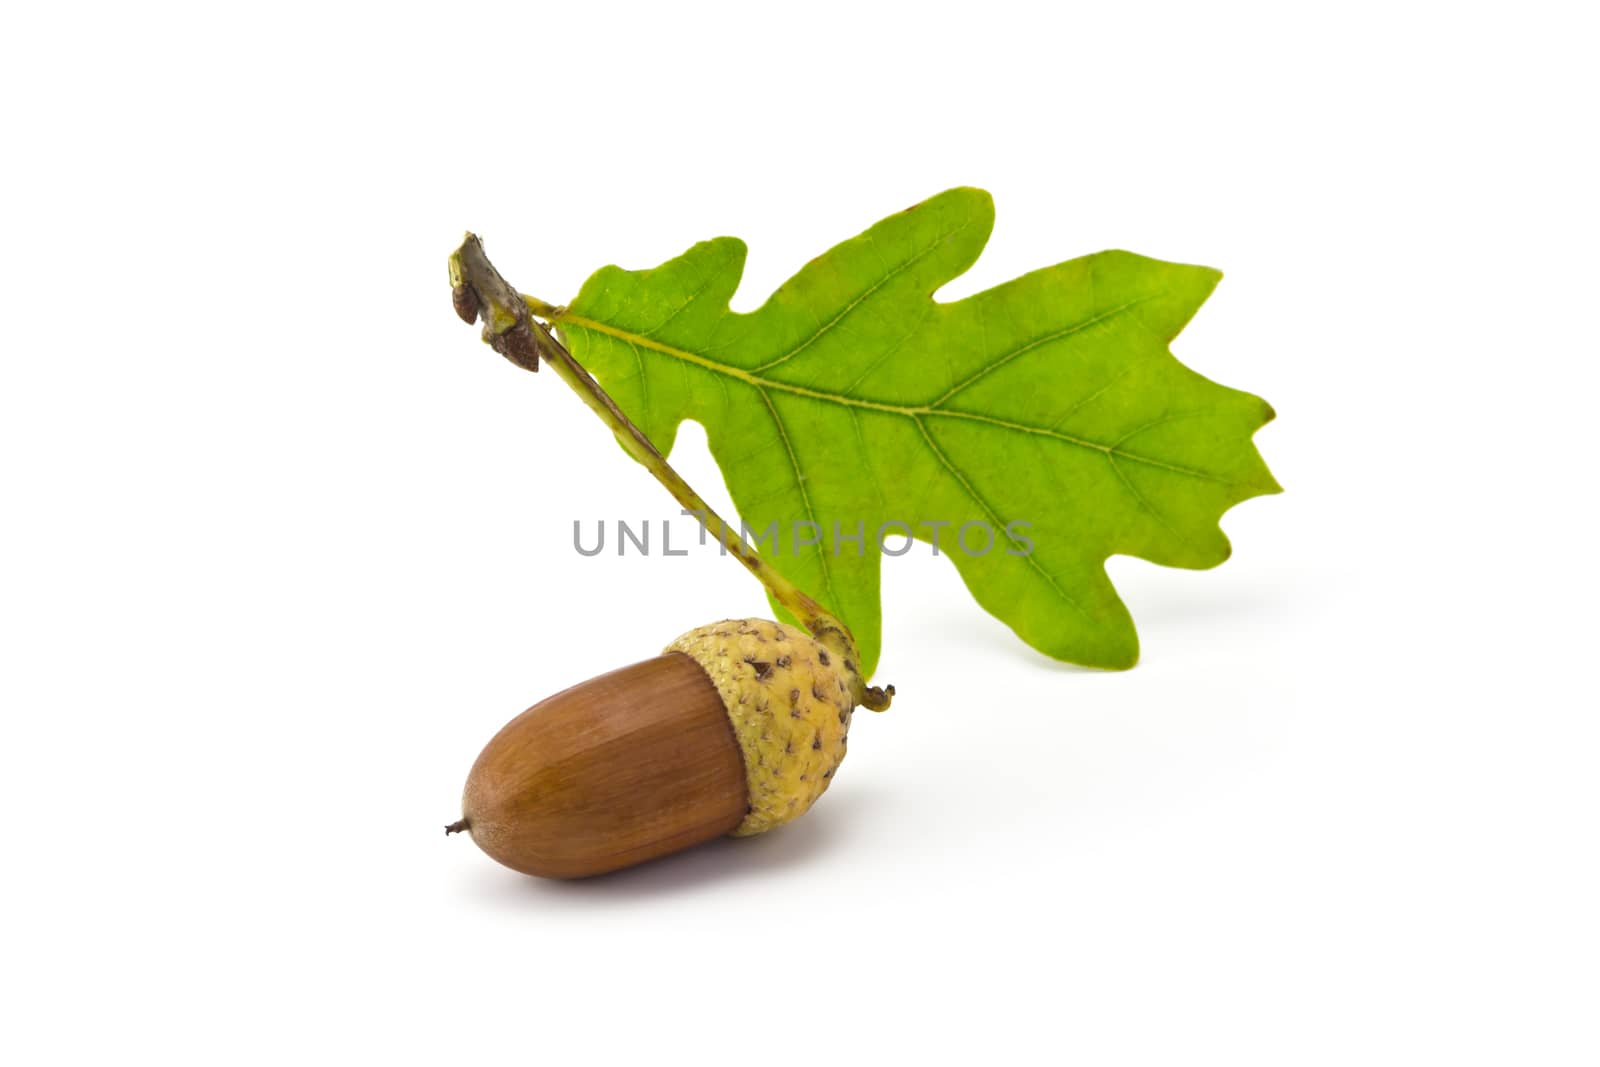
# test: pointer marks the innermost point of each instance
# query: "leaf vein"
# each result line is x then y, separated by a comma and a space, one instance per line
993, 516
571, 321
1140, 498
805, 497
1029, 346
823, 328
658, 327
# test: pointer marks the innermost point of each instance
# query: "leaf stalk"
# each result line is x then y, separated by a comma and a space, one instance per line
511, 328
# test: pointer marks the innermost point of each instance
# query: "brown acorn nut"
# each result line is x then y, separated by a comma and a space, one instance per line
737, 728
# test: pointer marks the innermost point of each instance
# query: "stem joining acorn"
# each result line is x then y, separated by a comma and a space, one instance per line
642, 761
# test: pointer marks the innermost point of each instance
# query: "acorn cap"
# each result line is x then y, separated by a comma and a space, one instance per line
790, 701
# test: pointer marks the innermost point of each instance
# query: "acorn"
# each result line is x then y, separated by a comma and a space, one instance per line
736, 728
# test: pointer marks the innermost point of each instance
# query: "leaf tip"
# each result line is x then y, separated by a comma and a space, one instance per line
976, 194
733, 247
1117, 651
1270, 485
1206, 280
1127, 661
977, 203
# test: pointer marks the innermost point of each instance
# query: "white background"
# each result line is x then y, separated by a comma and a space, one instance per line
283, 544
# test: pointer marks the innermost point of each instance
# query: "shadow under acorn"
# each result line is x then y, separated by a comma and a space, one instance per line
717, 863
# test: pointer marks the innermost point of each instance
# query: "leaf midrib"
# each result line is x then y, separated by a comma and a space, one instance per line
566, 319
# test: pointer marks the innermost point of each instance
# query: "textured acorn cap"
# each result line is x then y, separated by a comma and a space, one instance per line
790, 702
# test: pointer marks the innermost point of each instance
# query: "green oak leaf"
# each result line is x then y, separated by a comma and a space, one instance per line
852, 396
